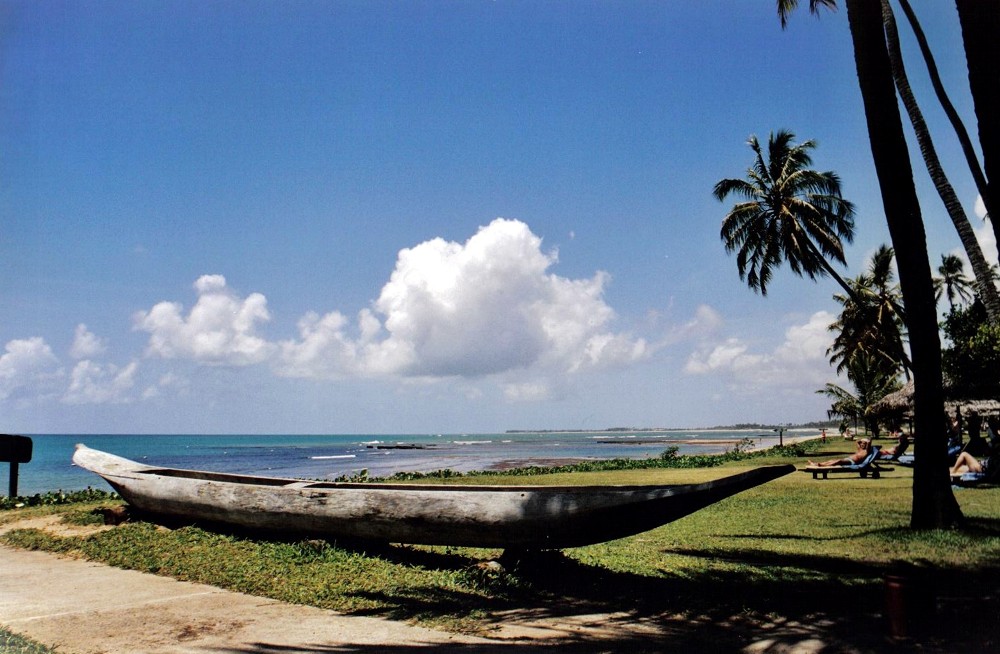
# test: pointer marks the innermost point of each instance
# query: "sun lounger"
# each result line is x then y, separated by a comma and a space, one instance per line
900, 451
968, 478
989, 475
866, 467
907, 459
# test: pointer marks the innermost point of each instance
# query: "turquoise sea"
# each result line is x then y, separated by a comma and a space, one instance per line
331, 456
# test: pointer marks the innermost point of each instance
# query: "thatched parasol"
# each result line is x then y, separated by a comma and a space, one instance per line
901, 401
985, 408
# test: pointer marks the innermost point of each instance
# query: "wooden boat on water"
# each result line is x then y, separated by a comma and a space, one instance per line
516, 517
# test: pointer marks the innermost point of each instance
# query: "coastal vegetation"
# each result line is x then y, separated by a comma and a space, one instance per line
669, 458
12, 643
52, 498
791, 550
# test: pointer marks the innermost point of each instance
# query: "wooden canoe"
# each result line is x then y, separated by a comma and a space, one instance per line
517, 517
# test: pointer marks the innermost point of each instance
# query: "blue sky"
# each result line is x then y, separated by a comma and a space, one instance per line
383, 217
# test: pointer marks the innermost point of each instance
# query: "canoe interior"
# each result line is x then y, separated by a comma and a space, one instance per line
279, 482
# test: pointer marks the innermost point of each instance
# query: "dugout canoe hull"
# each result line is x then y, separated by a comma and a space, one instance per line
521, 517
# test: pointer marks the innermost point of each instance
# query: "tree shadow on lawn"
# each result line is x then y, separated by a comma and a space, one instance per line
765, 598
758, 596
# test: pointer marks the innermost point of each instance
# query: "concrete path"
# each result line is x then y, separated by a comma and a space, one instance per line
88, 608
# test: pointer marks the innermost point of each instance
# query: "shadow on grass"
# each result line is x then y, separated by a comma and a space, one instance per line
764, 600
838, 605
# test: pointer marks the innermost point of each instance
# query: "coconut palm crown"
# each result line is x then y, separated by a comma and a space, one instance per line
786, 7
953, 283
789, 213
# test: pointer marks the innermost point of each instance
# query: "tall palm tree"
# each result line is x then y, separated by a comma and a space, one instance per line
788, 212
980, 267
934, 503
952, 281
949, 108
980, 20
874, 329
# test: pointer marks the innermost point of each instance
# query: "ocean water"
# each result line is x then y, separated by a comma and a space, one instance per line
330, 456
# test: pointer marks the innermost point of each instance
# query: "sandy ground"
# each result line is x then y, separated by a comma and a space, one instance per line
80, 607
89, 608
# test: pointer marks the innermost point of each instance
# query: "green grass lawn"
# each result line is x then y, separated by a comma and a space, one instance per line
795, 551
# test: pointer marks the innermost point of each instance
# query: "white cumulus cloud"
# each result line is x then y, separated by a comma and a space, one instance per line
85, 344
27, 364
96, 383
799, 361
482, 307
219, 329
325, 348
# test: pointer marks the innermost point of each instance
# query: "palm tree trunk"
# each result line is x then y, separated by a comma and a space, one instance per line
980, 268
949, 109
980, 20
934, 503
833, 273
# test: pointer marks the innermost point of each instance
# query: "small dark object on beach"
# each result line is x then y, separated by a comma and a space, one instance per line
115, 515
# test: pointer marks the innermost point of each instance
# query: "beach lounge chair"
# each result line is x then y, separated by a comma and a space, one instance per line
866, 467
900, 451
989, 475
907, 459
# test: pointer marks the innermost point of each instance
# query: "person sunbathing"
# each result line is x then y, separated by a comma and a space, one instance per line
859, 455
968, 463
895, 450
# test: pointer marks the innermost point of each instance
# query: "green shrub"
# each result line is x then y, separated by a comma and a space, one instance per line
56, 497
11, 643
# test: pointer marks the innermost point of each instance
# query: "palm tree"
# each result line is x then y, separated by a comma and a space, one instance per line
980, 267
934, 503
786, 7
871, 383
952, 281
874, 329
949, 108
789, 213
980, 20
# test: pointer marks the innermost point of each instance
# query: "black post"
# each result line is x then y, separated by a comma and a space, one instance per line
13, 480
14, 450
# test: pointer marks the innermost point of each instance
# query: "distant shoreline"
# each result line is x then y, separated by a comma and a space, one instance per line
658, 430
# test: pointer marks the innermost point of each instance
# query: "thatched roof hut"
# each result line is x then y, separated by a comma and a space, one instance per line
901, 402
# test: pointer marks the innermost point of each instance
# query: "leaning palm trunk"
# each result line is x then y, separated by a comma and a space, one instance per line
949, 109
934, 503
980, 20
981, 269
